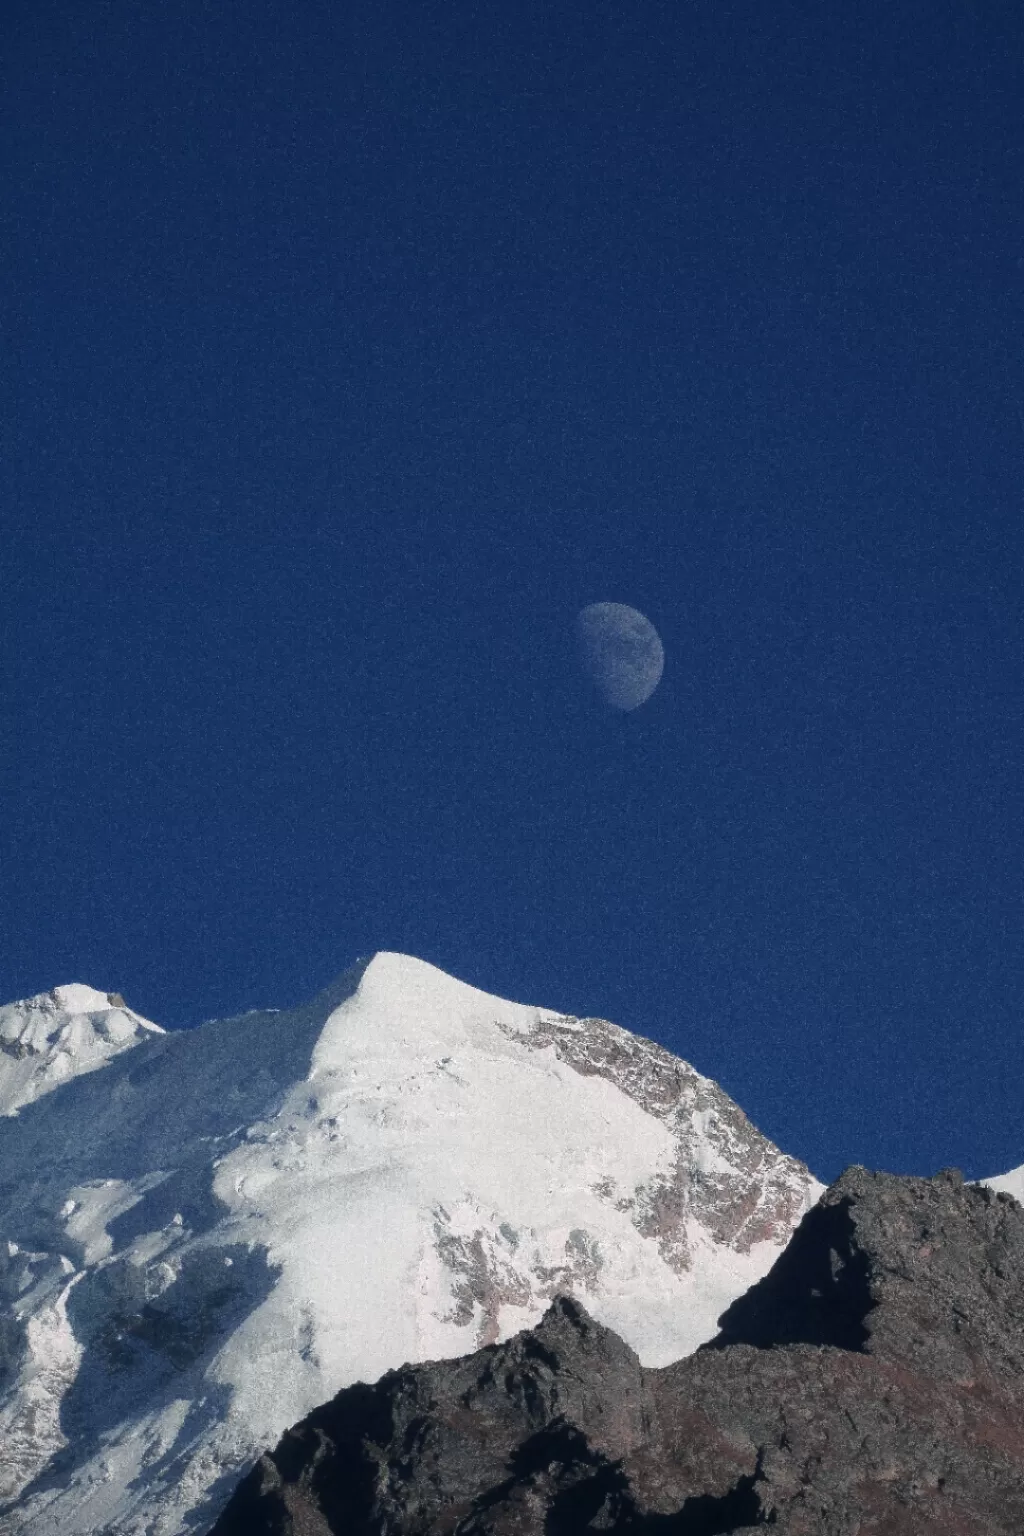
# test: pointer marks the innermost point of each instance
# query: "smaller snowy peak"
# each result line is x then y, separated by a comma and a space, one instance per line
76, 997
1011, 1183
48, 1039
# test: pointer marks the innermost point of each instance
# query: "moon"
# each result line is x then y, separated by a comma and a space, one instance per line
621, 653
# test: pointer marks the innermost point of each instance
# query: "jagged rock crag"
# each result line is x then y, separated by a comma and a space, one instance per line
872, 1382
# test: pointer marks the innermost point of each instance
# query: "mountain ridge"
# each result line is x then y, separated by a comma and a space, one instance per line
225, 1225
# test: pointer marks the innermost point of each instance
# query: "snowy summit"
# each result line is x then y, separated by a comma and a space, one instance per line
47, 1039
205, 1233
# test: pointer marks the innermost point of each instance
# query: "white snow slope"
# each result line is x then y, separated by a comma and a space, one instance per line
215, 1232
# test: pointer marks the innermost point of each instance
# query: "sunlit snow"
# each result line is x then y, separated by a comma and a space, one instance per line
206, 1233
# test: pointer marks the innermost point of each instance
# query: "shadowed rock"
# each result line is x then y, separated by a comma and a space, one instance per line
873, 1381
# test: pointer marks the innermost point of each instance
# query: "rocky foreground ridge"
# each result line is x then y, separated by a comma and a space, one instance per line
872, 1381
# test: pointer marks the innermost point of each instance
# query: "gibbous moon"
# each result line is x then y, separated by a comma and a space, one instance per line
621, 653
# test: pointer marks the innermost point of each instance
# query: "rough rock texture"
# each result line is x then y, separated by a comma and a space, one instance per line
872, 1382
725, 1179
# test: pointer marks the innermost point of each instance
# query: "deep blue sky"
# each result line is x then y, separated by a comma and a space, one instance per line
349, 349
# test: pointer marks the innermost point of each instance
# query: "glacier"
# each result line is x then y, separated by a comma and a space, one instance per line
206, 1233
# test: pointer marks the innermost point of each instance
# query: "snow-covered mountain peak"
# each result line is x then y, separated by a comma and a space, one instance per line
76, 997
407, 1008
57, 1035
227, 1224
405, 982
404, 991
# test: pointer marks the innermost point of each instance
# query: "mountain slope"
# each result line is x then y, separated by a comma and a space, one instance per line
222, 1227
871, 1382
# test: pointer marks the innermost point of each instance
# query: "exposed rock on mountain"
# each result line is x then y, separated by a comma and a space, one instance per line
221, 1227
873, 1381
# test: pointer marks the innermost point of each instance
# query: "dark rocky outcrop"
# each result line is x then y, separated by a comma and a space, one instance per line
872, 1382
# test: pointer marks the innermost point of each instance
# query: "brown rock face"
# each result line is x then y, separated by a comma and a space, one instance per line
872, 1382
757, 1192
